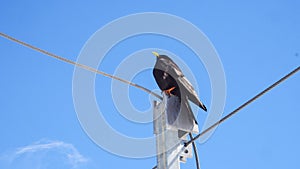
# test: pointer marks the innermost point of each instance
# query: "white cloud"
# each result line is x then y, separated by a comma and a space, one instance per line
46, 153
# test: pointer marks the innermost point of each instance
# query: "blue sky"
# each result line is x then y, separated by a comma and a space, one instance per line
257, 42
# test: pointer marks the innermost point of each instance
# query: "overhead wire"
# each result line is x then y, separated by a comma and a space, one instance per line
79, 65
244, 105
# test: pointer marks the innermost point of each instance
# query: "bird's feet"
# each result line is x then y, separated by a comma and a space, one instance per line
168, 91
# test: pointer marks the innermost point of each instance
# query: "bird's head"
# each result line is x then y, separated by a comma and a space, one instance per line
160, 57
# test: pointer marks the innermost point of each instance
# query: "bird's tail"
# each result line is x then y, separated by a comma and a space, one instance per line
202, 106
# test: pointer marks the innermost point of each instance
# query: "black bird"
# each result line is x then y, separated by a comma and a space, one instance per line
171, 80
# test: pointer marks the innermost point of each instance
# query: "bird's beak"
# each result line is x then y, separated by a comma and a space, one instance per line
155, 54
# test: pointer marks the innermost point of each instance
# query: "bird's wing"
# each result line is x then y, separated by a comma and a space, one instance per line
184, 82
175, 70
189, 91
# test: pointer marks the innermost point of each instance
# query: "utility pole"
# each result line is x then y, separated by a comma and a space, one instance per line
171, 129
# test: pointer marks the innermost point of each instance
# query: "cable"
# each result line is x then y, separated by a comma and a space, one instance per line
195, 152
79, 65
244, 105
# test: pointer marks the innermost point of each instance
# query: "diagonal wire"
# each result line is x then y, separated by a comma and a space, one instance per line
79, 65
244, 105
